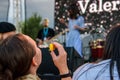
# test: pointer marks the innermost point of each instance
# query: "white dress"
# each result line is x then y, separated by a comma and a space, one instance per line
73, 37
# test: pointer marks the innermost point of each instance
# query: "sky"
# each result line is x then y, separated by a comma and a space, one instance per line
3, 9
43, 7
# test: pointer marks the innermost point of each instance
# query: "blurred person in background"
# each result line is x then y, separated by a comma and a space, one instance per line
45, 33
6, 29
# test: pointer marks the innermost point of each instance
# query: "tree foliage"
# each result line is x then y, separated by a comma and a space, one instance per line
32, 25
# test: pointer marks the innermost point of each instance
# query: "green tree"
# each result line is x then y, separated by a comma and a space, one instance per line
32, 25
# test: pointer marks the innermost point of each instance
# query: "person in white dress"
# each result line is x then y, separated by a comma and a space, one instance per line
75, 25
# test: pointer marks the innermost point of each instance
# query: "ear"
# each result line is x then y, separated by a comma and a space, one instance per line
34, 62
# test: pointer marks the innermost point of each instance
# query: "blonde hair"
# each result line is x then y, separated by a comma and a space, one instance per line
46, 20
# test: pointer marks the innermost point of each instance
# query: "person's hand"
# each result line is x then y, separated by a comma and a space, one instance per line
60, 60
39, 42
76, 27
63, 22
80, 28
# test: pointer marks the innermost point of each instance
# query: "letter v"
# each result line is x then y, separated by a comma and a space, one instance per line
83, 9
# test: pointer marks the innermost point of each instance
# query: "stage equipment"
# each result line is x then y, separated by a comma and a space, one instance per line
97, 47
86, 38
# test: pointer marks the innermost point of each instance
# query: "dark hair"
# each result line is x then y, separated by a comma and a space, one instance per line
112, 49
6, 27
74, 10
16, 55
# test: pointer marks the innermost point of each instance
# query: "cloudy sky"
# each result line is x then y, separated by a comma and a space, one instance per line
3, 10
45, 8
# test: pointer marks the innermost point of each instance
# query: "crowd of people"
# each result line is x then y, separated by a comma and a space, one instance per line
20, 56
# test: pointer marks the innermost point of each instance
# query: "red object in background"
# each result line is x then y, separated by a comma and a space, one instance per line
99, 51
97, 47
94, 53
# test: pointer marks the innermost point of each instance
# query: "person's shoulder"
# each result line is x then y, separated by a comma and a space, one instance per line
80, 71
98, 64
41, 30
89, 68
51, 29
83, 67
94, 64
80, 17
29, 77
101, 62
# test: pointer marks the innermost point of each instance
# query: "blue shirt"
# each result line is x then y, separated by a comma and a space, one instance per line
95, 71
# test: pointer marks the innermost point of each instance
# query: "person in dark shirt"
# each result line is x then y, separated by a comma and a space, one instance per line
45, 33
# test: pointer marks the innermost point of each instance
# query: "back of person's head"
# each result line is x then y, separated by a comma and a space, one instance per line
6, 29
74, 11
16, 54
112, 48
